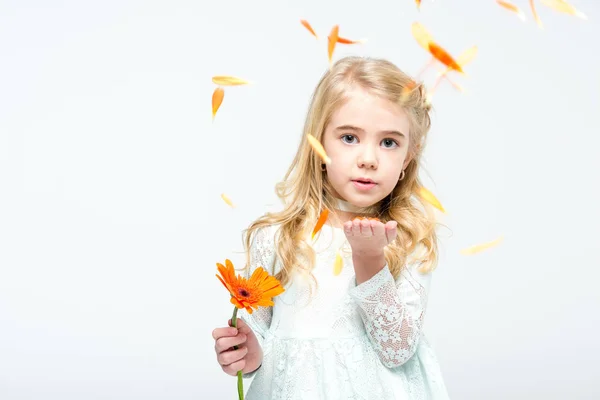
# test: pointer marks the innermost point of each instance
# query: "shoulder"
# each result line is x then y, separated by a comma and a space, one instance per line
264, 235
263, 249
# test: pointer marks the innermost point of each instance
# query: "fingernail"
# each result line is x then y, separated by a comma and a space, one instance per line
234, 331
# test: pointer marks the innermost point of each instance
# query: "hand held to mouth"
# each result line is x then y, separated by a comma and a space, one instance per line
368, 238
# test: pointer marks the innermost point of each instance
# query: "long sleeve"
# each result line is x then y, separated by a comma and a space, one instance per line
393, 312
262, 254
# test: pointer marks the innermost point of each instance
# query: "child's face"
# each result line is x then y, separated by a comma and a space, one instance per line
367, 138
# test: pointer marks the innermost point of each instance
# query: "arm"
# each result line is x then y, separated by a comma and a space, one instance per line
262, 254
393, 311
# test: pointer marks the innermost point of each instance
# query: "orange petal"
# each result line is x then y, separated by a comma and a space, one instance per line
306, 24
225, 80
431, 199
467, 56
332, 41
421, 34
227, 200
464, 58
480, 247
418, 4
535, 14
564, 7
406, 90
320, 222
217, 100
318, 148
223, 282
342, 40
512, 7
444, 57
237, 303
338, 264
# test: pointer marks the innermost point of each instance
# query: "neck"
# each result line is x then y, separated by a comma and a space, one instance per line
344, 206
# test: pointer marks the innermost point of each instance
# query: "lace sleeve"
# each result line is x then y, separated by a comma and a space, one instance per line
262, 254
393, 312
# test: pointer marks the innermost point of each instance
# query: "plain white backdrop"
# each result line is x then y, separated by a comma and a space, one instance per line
111, 171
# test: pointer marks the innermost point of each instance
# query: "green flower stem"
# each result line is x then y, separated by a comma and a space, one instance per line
240, 382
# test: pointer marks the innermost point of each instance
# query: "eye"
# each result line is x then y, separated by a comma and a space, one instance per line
389, 143
348, 138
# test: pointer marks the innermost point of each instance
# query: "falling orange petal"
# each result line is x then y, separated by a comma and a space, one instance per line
307, 25
338, 264
444, 57
425, 40
512, 7
467, 56
318, 148
480, 247
535, 14
332, 41
342, 40
563, 7
227, 200
422, 35
225, 80
320, 222
217, 100
418, 4
464, 58
431, 199
406, 90
250, 293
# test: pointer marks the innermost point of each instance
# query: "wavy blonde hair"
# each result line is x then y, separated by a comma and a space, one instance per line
305, 190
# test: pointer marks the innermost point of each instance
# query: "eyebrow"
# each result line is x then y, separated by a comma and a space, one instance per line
357, 129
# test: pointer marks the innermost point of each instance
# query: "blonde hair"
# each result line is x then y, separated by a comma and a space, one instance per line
305, 191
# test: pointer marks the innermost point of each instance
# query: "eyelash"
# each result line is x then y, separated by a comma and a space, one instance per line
346, 135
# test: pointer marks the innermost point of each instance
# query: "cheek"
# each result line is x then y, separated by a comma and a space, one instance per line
335, 172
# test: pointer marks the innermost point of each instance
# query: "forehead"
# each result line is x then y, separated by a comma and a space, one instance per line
371, 113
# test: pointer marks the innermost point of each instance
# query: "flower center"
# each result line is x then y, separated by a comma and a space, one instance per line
243, 292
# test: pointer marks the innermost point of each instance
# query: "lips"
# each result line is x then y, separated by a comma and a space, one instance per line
363, 184
363, 180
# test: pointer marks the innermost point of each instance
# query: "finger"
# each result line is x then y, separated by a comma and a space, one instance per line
221, 332
232, 356
242, 326
391, 230
356, 227
225, 343
365, 228
233, 368
378, 228
348, 228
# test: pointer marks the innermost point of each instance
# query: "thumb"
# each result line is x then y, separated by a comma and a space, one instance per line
391, 231
242, 326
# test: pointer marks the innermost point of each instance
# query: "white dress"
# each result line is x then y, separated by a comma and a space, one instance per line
346, 341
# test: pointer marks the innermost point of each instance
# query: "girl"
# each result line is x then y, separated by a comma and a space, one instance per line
355, 333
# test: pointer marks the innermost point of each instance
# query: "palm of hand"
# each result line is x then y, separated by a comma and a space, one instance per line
368, 237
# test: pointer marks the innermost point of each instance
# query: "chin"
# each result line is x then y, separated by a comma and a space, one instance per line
360, 202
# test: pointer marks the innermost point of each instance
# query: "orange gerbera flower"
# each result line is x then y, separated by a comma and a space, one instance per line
249, 293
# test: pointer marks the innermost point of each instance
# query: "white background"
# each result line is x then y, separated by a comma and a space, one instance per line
111, 171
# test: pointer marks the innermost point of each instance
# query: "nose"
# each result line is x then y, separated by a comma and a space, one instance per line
368, 158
